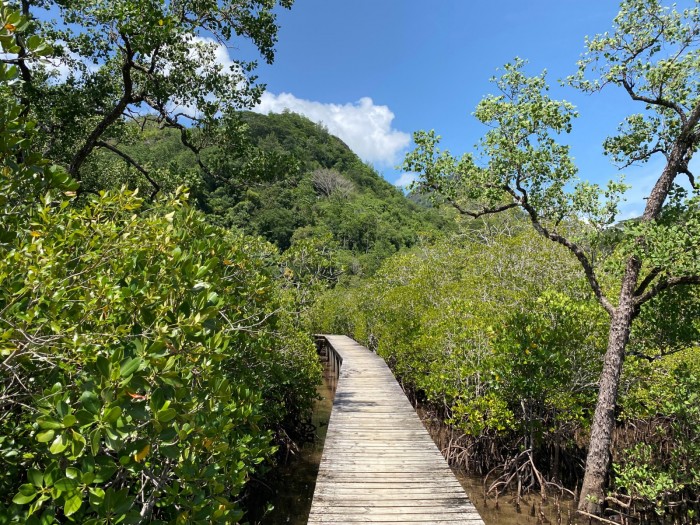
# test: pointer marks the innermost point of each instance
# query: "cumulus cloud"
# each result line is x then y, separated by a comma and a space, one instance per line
212, 58
214, 52
405, 179
363, 125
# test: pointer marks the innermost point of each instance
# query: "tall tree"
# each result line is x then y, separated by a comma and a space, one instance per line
653, 55
144, 60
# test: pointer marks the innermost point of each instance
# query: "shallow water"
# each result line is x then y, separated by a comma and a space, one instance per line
291, 487
555, 510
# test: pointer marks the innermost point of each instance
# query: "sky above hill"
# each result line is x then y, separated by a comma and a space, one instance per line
375, 71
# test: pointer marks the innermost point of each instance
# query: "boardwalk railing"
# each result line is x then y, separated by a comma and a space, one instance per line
379, 464
331, 358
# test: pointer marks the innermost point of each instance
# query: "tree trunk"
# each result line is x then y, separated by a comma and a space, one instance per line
598, 460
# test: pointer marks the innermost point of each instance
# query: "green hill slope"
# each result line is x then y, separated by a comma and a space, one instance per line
292, 181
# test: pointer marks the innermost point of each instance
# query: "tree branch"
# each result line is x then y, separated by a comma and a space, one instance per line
691, 178
130, 160
21, 60
665, 285
652, 358
571, 246
483, 211
644, 157
111, 117
684, 145
653, 274
521, 200
172, 122
658, 101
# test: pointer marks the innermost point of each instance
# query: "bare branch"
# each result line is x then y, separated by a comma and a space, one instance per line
656, 357
597, 518
329, 182
571, 246
658, 101
111, 117
691, 178
644, 157
130, 160
665, 285
172, 122
653, 274
483, 211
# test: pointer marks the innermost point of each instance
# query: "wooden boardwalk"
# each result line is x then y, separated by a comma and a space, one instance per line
379, 464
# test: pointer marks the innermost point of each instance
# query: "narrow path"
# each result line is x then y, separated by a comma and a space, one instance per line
379, 464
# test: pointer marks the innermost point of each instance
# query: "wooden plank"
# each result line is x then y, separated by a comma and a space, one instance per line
393, 518
379, 464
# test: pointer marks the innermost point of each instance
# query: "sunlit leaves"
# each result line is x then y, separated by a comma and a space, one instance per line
653, 54
479, 327
154, 364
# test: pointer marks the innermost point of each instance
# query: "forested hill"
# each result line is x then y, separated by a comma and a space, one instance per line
291, 181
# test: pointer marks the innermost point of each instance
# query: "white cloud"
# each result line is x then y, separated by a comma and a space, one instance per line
214, 52
405, 179
209, 55
363, 126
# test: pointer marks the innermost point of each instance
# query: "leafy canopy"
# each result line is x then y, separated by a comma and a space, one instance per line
115, 60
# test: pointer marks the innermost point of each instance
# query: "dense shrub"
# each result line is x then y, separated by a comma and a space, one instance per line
150, 363
657, 453
498, 336
496, 332
146, 360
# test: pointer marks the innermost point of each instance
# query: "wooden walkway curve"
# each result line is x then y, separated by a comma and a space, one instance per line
379, 464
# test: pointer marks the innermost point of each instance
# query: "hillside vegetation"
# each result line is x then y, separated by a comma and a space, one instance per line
289, 182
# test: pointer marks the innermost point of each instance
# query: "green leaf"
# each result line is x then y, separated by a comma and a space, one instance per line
95, 439
78, 444
62, 408
90, 401
46, 422
113, 414
166, 415
87, 478
43, 50
33, 42
50, 474
104, 473
66, 484
129, 366
46, 436
103, 366
26, 494
36, 477
59, 444
73, 505
96, 496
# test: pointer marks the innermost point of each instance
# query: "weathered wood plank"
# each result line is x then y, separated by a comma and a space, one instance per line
379, 464
394, 518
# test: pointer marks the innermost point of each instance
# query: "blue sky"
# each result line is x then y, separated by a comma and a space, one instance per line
374, 71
